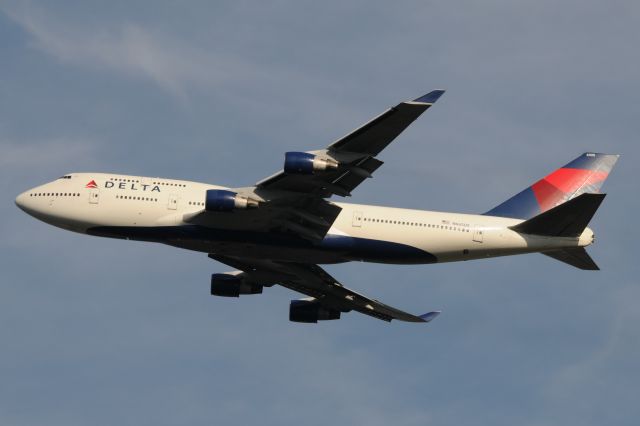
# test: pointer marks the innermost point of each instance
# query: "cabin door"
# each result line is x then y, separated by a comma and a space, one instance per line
94, 196
173, 202
357, 219
478, 235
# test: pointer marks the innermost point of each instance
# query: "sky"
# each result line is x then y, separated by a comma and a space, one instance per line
102, 332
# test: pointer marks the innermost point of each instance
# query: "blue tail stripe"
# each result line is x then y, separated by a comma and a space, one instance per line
593, 161
521, 205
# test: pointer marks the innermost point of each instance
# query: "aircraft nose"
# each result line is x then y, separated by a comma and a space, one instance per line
21, 200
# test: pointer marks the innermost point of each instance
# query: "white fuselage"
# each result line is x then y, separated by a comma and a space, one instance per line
153, 209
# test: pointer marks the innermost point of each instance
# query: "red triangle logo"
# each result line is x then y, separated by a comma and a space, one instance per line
92, 184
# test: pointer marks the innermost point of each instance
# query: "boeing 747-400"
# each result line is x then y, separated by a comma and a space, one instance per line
279, 230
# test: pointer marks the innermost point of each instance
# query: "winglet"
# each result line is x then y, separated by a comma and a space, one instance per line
430, 316
429, 98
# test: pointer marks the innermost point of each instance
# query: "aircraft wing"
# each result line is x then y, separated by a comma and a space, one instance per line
313, 281
293, 201
309, 218
354, 153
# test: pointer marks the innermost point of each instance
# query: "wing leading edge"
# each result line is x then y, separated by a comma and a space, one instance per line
354, 153
294, 200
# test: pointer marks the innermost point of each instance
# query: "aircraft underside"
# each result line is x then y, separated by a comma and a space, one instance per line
280, 247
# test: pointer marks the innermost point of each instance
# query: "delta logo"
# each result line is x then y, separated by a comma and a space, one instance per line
125, 185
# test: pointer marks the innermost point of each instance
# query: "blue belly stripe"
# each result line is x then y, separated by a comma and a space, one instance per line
350, 248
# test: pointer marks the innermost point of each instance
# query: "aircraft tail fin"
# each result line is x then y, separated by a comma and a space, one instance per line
575, 256
566, 220
585, 174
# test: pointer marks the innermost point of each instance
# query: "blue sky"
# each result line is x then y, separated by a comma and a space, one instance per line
105, 332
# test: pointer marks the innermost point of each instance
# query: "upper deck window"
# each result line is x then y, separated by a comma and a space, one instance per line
65, 177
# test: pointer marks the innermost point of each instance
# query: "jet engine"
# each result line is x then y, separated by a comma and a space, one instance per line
311, 311
233, 284
306, 164
220, 200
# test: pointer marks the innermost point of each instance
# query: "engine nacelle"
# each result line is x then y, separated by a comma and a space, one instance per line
305, 163
220, 200
233, 284
310, 311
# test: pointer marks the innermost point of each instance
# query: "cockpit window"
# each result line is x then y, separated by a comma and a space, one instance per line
65, 177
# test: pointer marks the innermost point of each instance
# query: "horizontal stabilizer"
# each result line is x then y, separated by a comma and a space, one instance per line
566, 220
575, 256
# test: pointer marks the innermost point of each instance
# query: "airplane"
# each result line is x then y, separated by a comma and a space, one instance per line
281, 229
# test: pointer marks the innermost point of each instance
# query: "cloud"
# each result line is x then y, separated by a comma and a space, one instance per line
15, 156
128, 48
605, 369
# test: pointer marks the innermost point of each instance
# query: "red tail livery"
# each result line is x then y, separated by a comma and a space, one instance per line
585, 174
